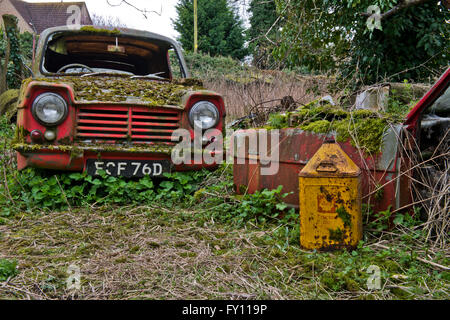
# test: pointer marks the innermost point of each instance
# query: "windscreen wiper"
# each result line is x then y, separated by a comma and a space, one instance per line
150, 76
94, 74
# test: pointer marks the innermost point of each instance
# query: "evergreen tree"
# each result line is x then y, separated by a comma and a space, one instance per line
262, 32
220, 30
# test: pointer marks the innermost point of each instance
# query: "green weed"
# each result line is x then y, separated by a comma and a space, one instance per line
8, 269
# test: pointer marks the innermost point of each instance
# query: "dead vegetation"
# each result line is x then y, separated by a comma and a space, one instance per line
155, 253
266, 90
431, 186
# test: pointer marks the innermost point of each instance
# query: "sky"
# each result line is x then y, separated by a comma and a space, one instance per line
134, 19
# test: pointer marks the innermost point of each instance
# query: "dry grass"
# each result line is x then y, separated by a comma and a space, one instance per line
154, 253
131, 255
431, 186
266, 90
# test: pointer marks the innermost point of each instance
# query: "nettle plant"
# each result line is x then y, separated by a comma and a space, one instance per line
43, 190
212, 193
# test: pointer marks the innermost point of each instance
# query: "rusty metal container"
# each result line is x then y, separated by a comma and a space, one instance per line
296, 148
330, 200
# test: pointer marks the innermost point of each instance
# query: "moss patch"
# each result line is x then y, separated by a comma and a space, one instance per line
77, 150
92, 29
336, 234
122, 89
8, 102
364, 128
345, 216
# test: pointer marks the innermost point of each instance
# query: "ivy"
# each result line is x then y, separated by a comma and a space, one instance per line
14, 75
21, 48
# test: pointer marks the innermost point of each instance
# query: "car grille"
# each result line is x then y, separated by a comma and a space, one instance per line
135, 124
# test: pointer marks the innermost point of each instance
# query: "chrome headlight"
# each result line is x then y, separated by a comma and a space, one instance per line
204, 115
49, 109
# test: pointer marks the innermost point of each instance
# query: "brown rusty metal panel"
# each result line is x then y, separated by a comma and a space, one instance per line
297, 147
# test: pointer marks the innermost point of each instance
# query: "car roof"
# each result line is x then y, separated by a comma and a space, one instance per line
123, 32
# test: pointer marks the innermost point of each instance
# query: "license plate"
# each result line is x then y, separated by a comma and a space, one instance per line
128, 168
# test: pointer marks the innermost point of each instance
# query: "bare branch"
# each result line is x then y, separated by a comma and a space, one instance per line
144, 12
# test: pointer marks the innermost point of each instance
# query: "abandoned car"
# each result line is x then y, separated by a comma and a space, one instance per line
410, 150
109, 100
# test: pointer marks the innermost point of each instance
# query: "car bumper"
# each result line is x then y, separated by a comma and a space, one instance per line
74, 158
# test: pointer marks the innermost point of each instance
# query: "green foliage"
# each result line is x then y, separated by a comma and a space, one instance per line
49, 191
8, 269
401, 101
207, 67
261, 34
319, 126
220, 30
332, 35
14, 74
26, 45
34, 189
336, 234
261, 206
379, 194
7, 130
385, 220
2, 44
21, 50
204, 201
396, 106
277, 121
381, 221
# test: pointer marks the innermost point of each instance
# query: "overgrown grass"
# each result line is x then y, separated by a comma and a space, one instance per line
189, 236
232, 247
156, 252
44, 191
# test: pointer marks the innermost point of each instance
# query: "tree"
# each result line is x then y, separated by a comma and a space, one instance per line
263, 31
220, 30
10, 56
107, 21
334, 35
16, 52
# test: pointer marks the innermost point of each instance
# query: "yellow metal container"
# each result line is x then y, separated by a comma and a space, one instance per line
330, 200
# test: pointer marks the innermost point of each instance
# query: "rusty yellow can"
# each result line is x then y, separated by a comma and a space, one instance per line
330, 200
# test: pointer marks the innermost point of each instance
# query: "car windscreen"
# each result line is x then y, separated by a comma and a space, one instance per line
72, 53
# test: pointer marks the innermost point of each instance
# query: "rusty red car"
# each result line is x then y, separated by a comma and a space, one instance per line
420, 142
109, 100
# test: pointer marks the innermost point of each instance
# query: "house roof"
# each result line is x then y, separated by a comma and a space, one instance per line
44, 15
